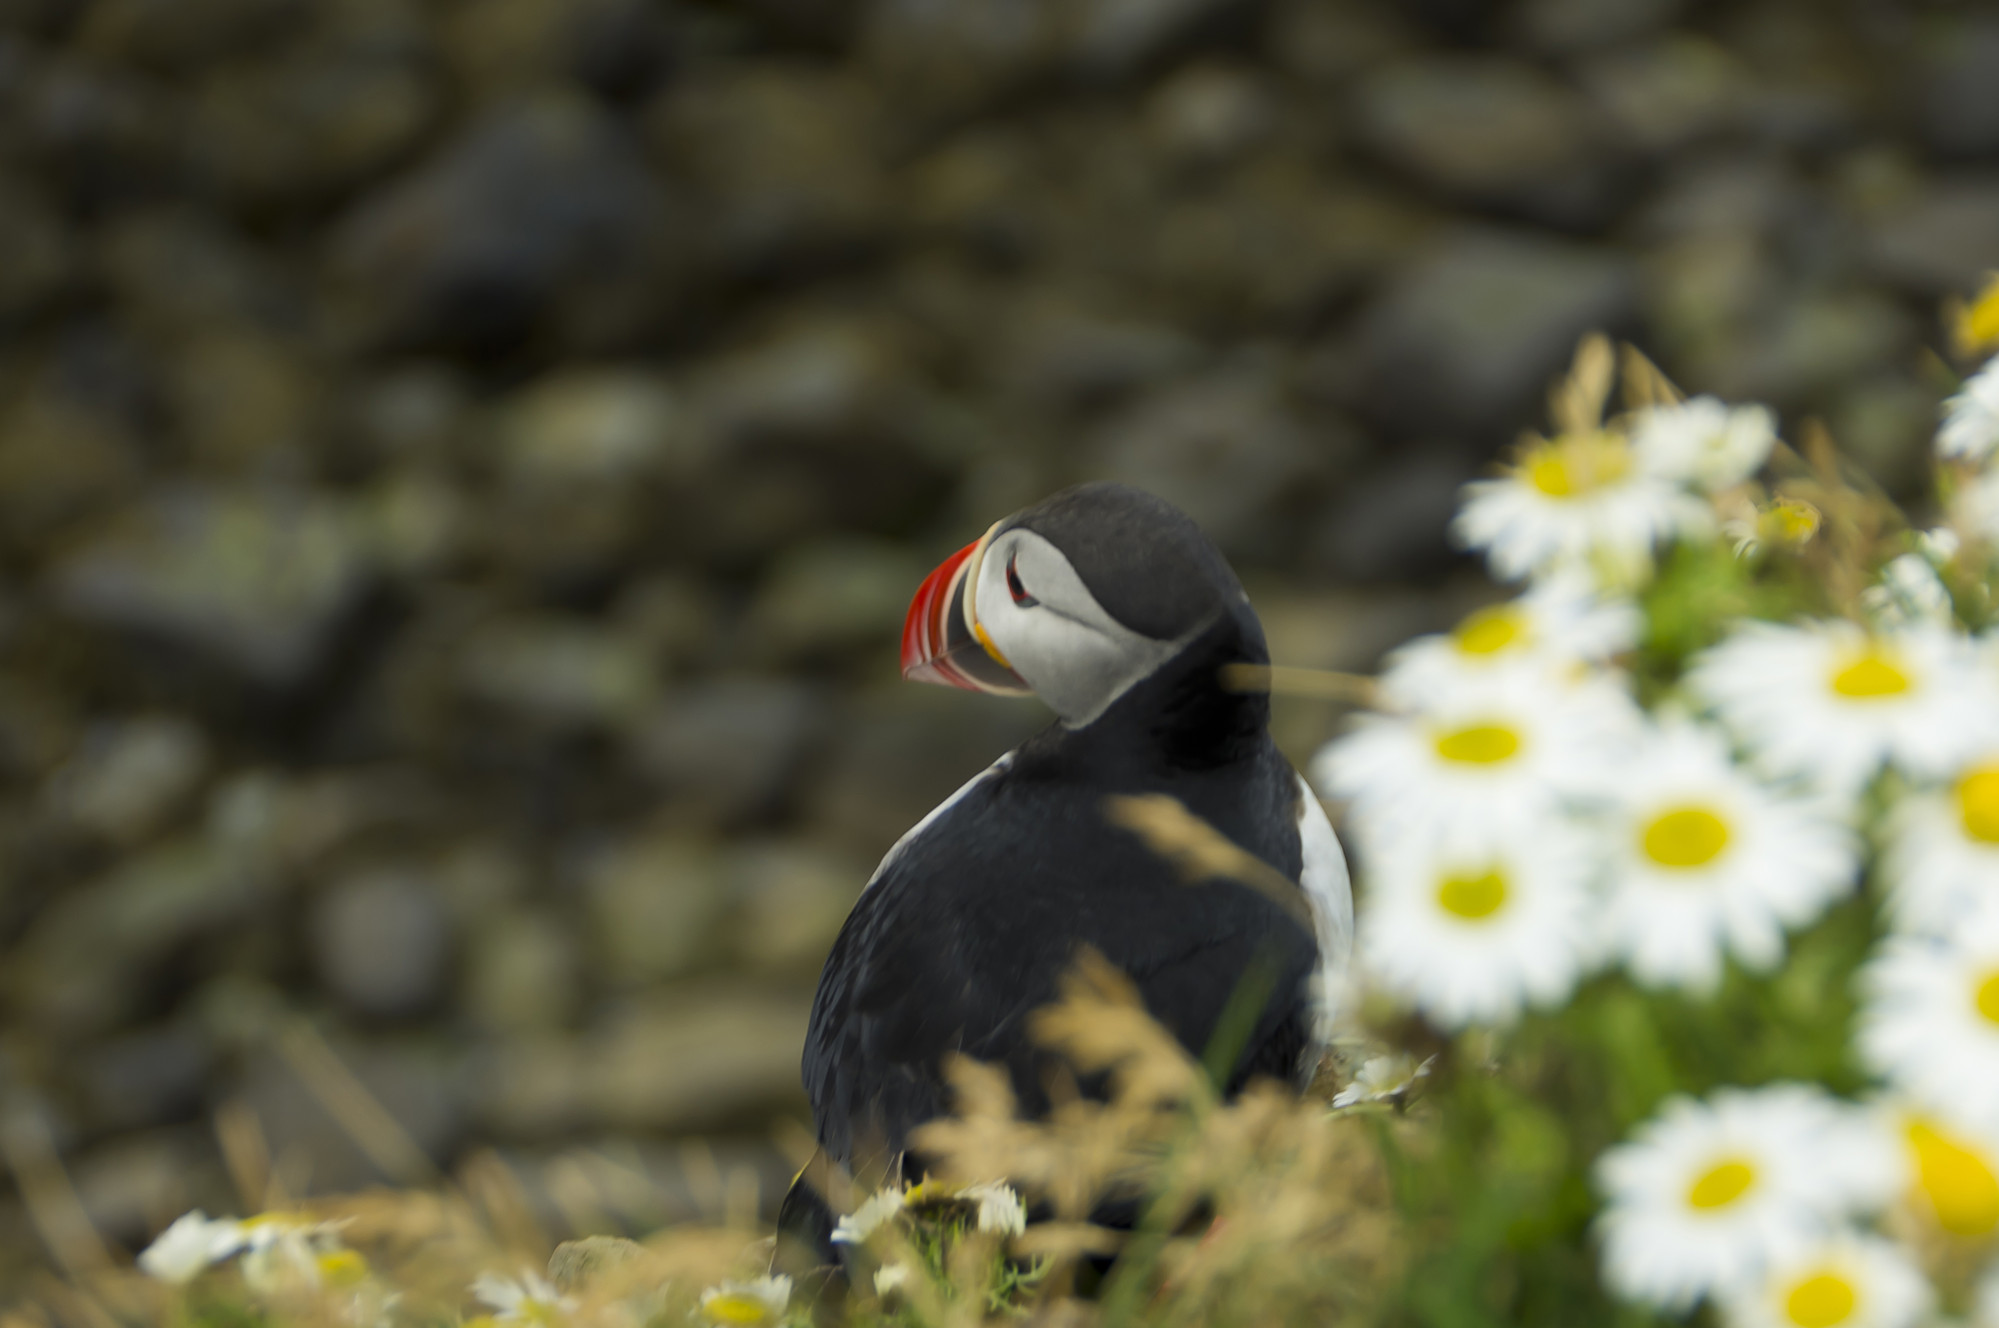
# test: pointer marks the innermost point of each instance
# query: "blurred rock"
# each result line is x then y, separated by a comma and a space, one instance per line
791, 898
243, 401
60, 464
1392, 523
523, 971
729, 749
415, 1081
1490, 129
1211, 113
1955, 84
150, 1076
1572, 25
596, 428
557, 671
1465, 342
38, 253
178, 37
656, 906
832, 598
1946, 240
540, 216
382, 942
1059, 356
1664, 94
693, 1059
1228, 450
259, 580
128, 776
178, 270
132, 1187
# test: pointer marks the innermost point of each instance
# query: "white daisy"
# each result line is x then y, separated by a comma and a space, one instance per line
999, 1208
1706, 1195
1909, 591
194, 1242
1929, 1021
1704, 441
1974, 504
864, 1221
1470, 930
1384, 1079
891, 1278
1560, 623
1970, 428
1827, 703
1942, 856
529, 1299
1704, 859
1843, 1281
1950, 1172
1500, 748
753, 1304
1580, 502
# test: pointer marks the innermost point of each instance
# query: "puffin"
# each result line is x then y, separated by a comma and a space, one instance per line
1109, 605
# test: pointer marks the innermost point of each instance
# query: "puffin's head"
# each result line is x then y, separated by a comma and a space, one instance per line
1075, 599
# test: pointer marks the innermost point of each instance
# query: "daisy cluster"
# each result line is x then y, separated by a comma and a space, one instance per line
1522, 821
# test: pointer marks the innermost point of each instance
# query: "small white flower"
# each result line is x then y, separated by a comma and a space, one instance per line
1975, 504
1561, 624
191, 1244
864, 1221
1703, 859
1471, 930
529, 1299
1579, 502
1970, 429
752, 1304
1942, 856
1842, 1281
1930, 1019
1384, 1079
1910, 591
1826, 702
1703, 441
891, 1278
1498, 749
1707, 1195
1000, 1209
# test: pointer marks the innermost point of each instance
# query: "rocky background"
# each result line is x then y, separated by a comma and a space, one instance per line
463, 464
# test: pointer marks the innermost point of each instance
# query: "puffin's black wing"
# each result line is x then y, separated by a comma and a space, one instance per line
972, 921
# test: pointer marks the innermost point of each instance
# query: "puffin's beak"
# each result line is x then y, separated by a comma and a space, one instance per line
941, 638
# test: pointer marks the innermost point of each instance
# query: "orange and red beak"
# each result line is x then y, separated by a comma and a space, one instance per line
942, 641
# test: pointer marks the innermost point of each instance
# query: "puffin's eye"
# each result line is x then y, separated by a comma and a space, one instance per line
1015, 589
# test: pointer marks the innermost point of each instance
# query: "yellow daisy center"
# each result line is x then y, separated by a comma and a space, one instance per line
341, 1267
1576, 465
1871, 676
1479, 744
1685, 837
736, 1307
1978, 326
1823, 1300
1986, 996
1473, 898
1958, 1182
1721, 1184
1978, 804
1489, 631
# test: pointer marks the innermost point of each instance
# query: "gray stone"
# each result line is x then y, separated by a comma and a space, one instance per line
566, 672
414, 1081
656, 907
1667, 93
1945, 241
1956, 84
522, 971
730, 748
1814, 343
382, 942
38, 253
1211, 113
1392, 523
1573, 25
541, 215
1465, 342
596, 427
792, 895
1486, 128
1230, 452
1057, 355
833, 597
132, 1187
260, 581
128, 776
147, 1077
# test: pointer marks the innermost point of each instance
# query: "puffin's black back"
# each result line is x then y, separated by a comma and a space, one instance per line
973, 922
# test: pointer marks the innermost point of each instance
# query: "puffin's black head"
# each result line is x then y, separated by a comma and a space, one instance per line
1075, 599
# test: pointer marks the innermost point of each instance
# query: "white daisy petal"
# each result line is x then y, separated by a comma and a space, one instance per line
1970, 429
1561, 624
1942, 855
1707, 1195
1703, 441
192, 1243
1579, 503
1842, 1281
864, 1221
1827, 703
1705, 861
1471, 931
1930, 1019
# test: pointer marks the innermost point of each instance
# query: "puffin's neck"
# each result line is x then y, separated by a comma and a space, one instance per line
1182, 716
